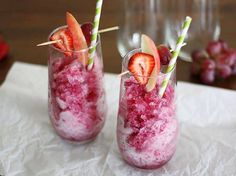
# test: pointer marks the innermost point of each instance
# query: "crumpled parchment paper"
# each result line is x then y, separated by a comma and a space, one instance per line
30, 147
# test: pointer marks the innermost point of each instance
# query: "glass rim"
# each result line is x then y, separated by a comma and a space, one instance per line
160, 75
72, 51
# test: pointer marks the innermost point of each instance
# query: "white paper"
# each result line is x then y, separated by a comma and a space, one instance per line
29, 146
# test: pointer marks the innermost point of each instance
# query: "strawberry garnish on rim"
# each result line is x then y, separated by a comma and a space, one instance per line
71, 40
79, 40
141, 66
66, 41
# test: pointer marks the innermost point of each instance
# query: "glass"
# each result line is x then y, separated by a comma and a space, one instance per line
147, 127
141, 17
205, 25
77, 105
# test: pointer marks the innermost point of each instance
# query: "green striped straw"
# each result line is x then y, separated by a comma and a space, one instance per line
175, 54
94, 36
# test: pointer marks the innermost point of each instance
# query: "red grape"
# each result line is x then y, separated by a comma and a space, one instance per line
208, 64
87, 31
208, 76
214, 48
199, 56
195, 69
223, 71
234, 69
217, 60
224, 45
164, 53
229, 58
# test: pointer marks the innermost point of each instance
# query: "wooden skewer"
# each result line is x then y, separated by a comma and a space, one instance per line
108, 29
100, 31
124, 73
49, 43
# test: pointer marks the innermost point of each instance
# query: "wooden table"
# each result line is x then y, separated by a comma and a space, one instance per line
25, 23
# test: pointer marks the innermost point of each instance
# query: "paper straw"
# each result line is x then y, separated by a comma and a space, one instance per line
175, 54
95, 34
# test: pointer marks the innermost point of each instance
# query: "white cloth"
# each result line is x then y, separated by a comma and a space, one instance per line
30, 147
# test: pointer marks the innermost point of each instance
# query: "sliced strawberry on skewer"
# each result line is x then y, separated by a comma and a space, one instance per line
65, 41
72, 39
141, 66
79, 41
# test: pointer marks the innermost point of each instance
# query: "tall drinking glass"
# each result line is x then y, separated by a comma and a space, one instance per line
204, 28
76, 96
141, 17
147, 127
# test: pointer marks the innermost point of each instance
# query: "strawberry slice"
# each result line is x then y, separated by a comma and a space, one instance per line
141, 66
4, 49
66, 42
79, 41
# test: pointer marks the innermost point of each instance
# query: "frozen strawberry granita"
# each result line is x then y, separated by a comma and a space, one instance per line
77, 106
76, 99
147, 129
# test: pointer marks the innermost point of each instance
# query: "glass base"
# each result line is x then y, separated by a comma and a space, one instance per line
150, 167
74, 142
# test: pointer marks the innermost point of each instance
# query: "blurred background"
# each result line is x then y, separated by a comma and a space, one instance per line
25, 23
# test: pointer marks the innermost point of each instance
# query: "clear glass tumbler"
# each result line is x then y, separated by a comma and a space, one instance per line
204, 28
76, 96
141, 17
147, 127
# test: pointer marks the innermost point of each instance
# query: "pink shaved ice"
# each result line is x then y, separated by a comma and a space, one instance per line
76, 99
147, 129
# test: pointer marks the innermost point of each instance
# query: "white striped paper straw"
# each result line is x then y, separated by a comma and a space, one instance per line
175, 54
94, 36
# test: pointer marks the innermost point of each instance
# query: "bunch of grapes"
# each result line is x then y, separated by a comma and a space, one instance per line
217, 61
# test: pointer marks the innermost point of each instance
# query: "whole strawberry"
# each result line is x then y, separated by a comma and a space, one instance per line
4, 49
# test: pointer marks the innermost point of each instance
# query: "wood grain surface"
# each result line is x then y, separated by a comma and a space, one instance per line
25, 23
